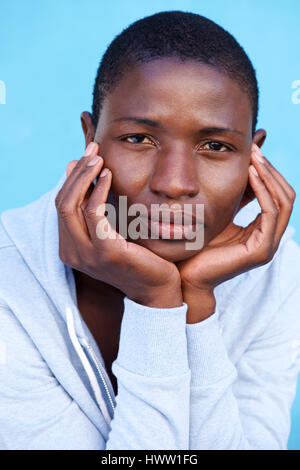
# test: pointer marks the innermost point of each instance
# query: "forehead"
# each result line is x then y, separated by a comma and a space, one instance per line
170, 89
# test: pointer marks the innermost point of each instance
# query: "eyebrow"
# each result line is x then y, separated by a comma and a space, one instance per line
148, 122
157, 125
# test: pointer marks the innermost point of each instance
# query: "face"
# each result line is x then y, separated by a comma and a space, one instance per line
190, 145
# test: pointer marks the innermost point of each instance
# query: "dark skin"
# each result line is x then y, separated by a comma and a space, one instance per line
182, 158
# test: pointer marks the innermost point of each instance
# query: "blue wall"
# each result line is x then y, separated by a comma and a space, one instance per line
49, 54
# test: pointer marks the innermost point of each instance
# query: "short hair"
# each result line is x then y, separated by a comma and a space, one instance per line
178, 34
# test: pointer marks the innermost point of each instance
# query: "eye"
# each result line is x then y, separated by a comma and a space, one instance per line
137, 138
216, 146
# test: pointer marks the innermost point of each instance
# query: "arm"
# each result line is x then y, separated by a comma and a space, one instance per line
152, 410
247, 405
240, 406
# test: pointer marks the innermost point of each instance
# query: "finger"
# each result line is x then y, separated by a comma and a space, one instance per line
76, 198
91, 151
100, 230
73, 169
279, 195
67, 243
71, 165
87, 196
277, 175
70, 168
275, 188
269, 213
83, 179
73, 251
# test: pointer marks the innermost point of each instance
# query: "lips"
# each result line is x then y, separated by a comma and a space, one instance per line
174, 231
172, 217
172, 225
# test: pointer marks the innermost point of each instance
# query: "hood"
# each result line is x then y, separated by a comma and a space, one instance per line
33, 229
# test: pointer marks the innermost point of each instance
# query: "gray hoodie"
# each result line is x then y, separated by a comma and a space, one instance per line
227, 382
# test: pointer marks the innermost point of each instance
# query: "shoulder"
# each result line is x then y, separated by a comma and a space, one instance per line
9, 260
288, 259
5, 241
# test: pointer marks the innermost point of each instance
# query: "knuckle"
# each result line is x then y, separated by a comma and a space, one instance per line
291, 192
288, 202
293, 195
275, 211
58, 200
65, 211
89, 211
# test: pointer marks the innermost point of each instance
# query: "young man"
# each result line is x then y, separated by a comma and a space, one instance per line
123, 343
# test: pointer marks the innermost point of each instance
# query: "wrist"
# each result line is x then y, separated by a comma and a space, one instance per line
201, 303
168, 296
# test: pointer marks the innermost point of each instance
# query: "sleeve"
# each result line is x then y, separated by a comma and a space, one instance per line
153, 401
35, 410
247, 405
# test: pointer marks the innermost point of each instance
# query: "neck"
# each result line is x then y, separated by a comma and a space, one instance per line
96, 289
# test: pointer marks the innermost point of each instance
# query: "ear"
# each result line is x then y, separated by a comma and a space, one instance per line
259, 137
248, 196
87, 127
89, 132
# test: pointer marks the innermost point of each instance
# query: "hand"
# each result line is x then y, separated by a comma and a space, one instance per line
239, 249
142, 275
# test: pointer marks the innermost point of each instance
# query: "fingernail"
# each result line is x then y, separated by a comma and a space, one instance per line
258, 154
253, 169
95, 160
104, 172
90, 148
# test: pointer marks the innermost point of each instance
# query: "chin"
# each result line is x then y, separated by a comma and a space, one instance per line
170, 250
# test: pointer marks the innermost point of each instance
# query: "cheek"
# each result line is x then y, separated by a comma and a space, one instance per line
224, 192
129, 175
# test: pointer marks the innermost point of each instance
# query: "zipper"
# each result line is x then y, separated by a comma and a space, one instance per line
87, 366
86, 343
98, 367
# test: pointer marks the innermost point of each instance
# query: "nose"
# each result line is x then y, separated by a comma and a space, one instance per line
175, 174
